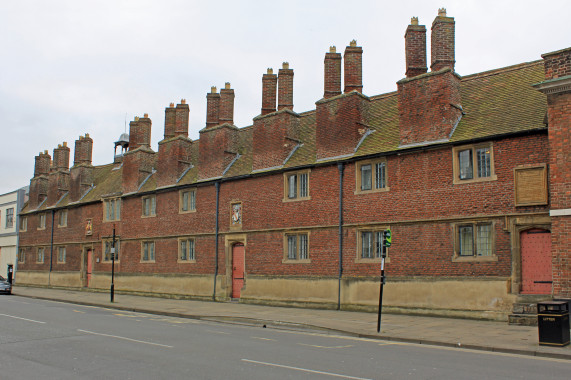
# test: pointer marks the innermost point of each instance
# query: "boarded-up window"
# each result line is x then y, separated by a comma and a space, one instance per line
530, 185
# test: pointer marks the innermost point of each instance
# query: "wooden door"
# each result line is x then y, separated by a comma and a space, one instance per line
89, 266
536, 275
237, 269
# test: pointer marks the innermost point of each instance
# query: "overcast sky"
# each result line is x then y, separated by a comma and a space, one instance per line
75, 67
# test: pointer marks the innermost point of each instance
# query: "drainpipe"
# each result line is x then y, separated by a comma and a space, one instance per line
51, 248
340, 167
217, 185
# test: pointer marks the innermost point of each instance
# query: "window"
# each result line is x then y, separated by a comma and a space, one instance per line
473, 163
149, 205
42, 221
296, 186
61, 255
371, 176
112, 209
186, 250
148, 251
187, 200
107, 246
296, 247
474, 242
21, 256
372, 246
9, 217
23, 223
41, 255
62, 218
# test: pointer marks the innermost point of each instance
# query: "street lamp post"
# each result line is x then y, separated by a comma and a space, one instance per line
113, 265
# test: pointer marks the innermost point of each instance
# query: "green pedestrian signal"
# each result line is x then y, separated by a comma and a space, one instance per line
387, 238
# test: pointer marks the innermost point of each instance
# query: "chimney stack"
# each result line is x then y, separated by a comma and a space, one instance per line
42, 165
285, 87
332, 82
181, 118
415, 48
442, 42
212, 108
227, 104
269, 87
83, 150
140, 132
170, 121
61, 157
353, 66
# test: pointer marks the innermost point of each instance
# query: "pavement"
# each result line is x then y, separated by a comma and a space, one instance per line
449, 332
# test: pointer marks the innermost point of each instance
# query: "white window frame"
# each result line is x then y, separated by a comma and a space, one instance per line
23, 223
42, 221
10, 217
21, 256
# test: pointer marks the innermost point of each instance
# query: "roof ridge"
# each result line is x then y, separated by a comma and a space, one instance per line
501, 70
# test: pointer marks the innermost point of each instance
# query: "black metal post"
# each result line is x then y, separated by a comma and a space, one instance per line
113, 266
381, 294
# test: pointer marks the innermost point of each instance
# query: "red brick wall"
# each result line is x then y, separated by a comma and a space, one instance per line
274, 137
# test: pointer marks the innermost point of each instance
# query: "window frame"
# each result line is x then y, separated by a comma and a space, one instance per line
42, 221
154, 253
458, 257
374, 176
377, 232
192, 205
188, 259
21, 256
62, 214
116, 202
9, 218
38, 261
23, 223
298, 235
106, 258
298, 185
473, 148
152, 212
58, 257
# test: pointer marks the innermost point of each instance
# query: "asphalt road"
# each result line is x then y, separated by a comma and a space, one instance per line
51, 340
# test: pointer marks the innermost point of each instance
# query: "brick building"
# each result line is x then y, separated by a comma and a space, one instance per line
472, 175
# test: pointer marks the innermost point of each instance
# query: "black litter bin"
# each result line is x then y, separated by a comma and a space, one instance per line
553, 323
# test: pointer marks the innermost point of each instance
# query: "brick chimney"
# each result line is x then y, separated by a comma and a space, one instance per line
81, 174
139, 160
557, 88
181, 118
332, 70
227, 105
442, 42
39, 183
269, 87
212, 108
353, 67
170, 121
83, 150
415, 48
58, 181
140, 132
285, 87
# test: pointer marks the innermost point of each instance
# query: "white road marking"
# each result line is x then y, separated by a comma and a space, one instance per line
124, 338
24, 319
315, 345
219, 332
305, 370
77, 311
257, 337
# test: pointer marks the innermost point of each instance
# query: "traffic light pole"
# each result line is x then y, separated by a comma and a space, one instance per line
387, 241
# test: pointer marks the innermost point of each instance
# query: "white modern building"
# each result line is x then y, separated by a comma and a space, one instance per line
10, 206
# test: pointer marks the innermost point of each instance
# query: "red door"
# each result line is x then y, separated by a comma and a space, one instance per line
89, 267
237, 269
536, 262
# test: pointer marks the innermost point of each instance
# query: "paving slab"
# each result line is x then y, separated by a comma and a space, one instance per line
451, 332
